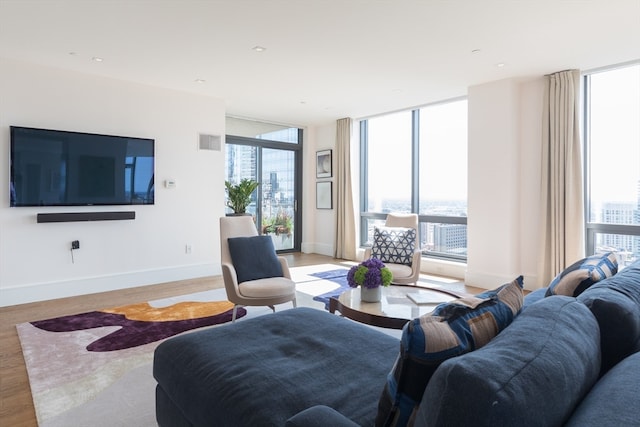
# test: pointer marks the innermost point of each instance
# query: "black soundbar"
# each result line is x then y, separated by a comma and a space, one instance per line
86, 216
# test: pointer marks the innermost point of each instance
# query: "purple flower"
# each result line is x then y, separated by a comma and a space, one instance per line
370, 273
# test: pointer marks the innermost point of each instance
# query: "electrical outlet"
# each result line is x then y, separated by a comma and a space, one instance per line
75, 244
187, 249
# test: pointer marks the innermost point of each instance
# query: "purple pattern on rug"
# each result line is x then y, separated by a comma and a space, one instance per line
133, 332
336, 276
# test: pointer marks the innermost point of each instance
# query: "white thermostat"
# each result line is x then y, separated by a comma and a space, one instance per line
169, 183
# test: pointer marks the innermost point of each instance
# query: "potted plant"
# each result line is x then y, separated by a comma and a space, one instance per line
371, 275
239, 195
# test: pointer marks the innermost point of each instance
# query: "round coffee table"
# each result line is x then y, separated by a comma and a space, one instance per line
395, 308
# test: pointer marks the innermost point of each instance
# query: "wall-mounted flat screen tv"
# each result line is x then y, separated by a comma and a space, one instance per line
61, 168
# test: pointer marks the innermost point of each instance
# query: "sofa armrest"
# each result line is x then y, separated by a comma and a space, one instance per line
319, 416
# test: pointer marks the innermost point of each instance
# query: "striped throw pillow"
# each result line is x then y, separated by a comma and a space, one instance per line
452, 329
580, 275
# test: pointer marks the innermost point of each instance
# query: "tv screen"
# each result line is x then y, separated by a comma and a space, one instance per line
61, 168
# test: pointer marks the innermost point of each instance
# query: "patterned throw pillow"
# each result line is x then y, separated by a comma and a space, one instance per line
394, 244
582, 274
452, 329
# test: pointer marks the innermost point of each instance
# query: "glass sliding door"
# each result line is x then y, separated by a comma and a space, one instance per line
272, 159
278, 197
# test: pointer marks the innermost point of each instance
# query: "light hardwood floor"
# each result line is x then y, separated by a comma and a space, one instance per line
16, 406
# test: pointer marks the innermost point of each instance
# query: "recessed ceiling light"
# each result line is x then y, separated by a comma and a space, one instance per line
97, 59
500, 64
259, 48
475, 51
199, 81
73, 53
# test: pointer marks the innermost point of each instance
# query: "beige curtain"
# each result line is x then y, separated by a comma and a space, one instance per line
561, 195
345, 240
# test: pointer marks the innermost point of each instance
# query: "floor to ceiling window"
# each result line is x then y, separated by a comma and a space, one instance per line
269, 154
612, 159
416, 161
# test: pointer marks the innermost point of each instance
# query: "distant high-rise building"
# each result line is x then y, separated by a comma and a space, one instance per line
624, 214
450, 238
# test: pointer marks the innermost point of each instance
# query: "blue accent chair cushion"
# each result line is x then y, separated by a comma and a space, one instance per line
452, 329
582, 274
394, 244
254, 258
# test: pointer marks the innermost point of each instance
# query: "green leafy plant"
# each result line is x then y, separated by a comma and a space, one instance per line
282, 223
239, 195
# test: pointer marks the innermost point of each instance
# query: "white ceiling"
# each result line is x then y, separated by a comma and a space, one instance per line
324, 59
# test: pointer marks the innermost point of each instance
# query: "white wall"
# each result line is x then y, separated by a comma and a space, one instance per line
319, 229
35, 259
504, 176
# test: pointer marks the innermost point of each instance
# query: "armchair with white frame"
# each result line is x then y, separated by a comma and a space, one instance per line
409, 271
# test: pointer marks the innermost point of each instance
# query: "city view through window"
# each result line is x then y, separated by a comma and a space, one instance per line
270, 159
429, 174
612, 135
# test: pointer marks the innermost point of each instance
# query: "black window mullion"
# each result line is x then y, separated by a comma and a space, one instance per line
415, 161
364, 177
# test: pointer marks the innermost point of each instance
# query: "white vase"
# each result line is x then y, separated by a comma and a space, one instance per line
370, 294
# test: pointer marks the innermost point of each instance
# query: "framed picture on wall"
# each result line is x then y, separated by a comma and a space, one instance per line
324, 195
324, 167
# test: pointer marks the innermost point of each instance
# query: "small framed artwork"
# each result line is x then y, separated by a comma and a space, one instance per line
324, 195
324, 164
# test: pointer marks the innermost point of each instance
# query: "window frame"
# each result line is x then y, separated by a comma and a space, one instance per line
365, 216
297, 150
594, 228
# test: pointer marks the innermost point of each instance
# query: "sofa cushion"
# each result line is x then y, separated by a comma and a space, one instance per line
609, 403
533, 374
582, 274
320, 416
254, 258
615, 302
394, 244
262, 371
452, 329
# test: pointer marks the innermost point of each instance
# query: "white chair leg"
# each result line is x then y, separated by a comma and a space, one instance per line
295, 304
235, 312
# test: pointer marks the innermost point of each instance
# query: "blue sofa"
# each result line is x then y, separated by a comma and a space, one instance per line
562, 361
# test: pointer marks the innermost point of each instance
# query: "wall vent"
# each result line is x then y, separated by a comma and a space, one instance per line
210, 142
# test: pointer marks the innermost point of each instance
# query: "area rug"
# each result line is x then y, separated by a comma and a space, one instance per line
78, 363
96, 368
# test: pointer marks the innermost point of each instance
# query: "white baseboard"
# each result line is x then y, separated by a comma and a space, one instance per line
317, 248
439, 267
89, 285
